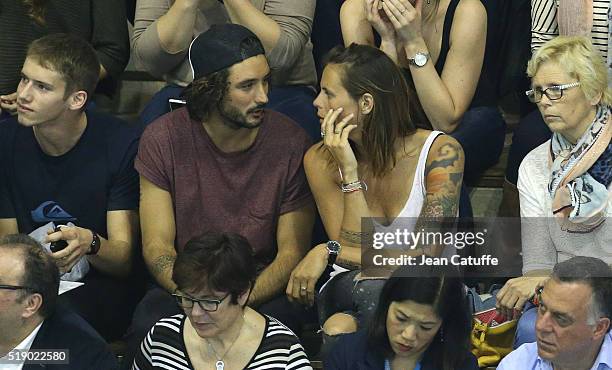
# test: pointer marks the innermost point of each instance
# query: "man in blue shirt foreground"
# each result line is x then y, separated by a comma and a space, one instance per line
573, 324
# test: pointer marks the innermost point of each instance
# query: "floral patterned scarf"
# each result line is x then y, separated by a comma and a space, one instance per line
581, 175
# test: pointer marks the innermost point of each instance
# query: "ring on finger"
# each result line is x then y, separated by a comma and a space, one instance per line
322, 134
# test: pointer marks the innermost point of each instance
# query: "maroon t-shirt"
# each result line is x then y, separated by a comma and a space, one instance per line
243, 192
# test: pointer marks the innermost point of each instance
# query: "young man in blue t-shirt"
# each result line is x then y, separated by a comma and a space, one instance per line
61, 163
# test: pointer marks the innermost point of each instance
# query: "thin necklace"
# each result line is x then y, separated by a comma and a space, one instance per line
220, 364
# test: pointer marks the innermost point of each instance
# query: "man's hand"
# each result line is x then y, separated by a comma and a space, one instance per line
515, 293
79, 240
301, 286
8, 103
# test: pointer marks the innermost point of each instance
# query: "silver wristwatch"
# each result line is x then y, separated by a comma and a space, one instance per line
419, 60
333, 250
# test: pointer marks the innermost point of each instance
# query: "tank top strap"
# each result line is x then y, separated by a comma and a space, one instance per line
420, 170
445, 46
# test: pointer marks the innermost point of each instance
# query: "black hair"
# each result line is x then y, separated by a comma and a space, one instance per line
218, 261
206, 93
442, 289
41, 274
593, 272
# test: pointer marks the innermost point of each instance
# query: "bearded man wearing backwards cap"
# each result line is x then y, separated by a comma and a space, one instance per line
224, 163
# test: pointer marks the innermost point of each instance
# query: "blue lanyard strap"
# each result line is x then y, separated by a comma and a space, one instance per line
388, 365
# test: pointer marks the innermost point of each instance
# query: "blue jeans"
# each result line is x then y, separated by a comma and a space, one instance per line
292, 101
481, 133
356, 298
525, 329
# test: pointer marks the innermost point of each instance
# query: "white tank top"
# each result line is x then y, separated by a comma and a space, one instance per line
416, 199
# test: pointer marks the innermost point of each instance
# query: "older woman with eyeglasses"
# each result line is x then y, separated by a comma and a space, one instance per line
564, 184
214, 275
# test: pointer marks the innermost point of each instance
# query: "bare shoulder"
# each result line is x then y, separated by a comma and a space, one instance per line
351, 7
445, 152
314, 156
470, 18
318, 159
473, 9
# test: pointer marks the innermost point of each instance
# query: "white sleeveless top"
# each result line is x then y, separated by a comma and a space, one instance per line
408, 216
416, 199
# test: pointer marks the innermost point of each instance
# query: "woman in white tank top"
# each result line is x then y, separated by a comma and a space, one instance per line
373, 161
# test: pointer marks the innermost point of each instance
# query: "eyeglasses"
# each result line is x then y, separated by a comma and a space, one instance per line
208, 305
552, 93
15, 287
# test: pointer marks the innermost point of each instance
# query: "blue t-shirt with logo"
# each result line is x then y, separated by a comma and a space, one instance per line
95, 176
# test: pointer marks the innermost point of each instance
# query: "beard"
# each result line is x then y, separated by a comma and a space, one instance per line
236, 119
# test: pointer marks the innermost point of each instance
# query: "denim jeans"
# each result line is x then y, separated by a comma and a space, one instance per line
481, 133
357, 298
525, 329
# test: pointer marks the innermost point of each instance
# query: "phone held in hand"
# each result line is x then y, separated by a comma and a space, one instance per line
58, 245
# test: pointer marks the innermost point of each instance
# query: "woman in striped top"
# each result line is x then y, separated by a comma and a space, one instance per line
214, 275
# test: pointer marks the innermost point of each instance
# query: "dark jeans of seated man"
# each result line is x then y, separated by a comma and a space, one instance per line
158, 303
292, 101
481, 133
105, 302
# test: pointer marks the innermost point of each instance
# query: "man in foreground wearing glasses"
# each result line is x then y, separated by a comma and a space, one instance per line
565, 184
30, 327
215, 274
573, 320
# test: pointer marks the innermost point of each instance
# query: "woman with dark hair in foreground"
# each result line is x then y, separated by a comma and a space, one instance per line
420, 323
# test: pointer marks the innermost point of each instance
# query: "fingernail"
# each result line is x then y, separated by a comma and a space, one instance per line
340, 109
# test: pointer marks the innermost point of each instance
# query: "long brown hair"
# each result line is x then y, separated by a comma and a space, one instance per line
365, 69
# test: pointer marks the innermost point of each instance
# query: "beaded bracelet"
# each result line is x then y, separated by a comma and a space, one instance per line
353, 186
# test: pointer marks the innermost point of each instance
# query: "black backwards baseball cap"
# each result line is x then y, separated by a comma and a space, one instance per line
220, 47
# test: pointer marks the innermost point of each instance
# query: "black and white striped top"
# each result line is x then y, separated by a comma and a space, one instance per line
544, 25
164, 348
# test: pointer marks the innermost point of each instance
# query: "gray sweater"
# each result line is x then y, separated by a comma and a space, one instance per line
291, 61
544, 243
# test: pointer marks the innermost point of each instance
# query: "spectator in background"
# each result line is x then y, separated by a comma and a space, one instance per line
565, 184
163, 32
28, 317
102, 23
224, 163
549, 19
421, 322
573, 320
214, 275
61, 163
440, 44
